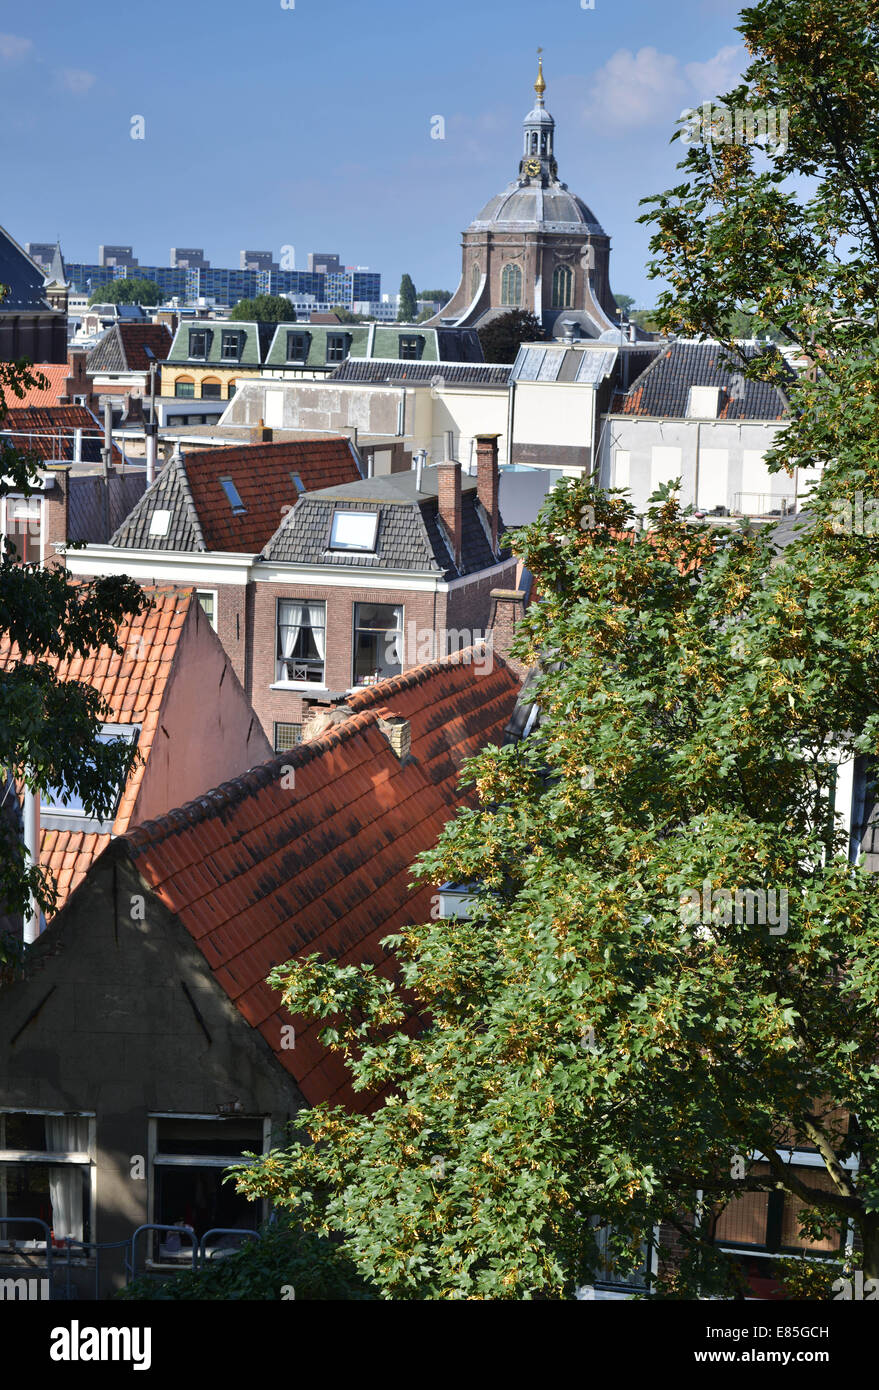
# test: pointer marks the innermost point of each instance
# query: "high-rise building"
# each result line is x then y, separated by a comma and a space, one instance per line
188, 258
116, 255
324, 263
258, 260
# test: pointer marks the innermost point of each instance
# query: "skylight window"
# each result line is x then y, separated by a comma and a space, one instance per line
354, 531
297, 482
61, 801
160, 522
233, 496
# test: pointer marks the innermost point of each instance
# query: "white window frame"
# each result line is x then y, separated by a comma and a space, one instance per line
80, 1159
214, 595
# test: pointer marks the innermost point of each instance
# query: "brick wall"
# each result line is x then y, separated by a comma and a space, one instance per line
425, 611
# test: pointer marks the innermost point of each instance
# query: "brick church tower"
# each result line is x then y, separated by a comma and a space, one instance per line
535, 246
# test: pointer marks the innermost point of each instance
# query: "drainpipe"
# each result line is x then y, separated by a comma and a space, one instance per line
151, 431
31, 834
106, 454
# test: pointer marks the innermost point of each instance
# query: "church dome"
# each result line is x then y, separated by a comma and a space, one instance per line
552, 208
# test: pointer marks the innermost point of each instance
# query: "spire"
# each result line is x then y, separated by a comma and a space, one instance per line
539, 85
57, 272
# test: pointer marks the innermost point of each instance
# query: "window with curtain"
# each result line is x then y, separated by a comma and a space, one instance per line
562, 287
45, 1172
511, 286
301, 641
378, 642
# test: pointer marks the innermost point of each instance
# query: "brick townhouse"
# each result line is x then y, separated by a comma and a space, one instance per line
320, 581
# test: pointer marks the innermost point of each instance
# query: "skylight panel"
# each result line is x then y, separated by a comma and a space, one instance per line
297, 482
354, 531
233, 496
160, 522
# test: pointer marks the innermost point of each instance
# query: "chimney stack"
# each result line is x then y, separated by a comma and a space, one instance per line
487, 481
448, 489
262, 434
507, 611
398, 733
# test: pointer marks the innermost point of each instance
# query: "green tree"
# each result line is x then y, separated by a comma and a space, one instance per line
287, 1262
265, 308
502, 337
348, 316
612, 1030
132, 290
48, 727
439, 296
625, 301
408, 301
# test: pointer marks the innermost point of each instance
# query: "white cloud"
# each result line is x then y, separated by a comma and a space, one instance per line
12, 48
637, 89
76, 80
632, 87
719, 74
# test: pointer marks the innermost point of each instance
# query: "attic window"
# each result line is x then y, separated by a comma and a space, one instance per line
160, 522
354, 531
198, 343
411, 347
233, 496
298, 345
230, 345
297, 482
703, 402
59, 801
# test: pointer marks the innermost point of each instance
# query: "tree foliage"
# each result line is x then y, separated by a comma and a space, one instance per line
131, 290
408, 301
502, 337
49, 727
599, 1047
265, 308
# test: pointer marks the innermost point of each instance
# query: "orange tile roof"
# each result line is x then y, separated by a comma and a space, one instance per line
48, 432
262, 474
57, 374
133, 684
258, 873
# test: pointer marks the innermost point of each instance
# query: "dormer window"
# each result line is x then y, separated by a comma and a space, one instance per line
411, 347
354, 531
298, 345
337, 346
233, 497
199, 342
231, 345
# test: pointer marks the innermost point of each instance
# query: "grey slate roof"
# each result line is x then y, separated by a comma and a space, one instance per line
663, 389
85, 518
23, 279
410, 535
170, 492
449, 373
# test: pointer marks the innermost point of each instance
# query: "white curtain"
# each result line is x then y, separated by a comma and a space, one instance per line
66, 1135
316, 619
290, 615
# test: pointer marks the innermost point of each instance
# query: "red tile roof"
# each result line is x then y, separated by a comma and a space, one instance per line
133, 684
137, 336
258, 873
262, 474
48, 432
57, 374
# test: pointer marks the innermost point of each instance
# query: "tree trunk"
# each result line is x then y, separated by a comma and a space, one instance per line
870, 1236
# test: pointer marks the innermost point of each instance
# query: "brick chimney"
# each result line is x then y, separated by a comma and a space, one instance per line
507, 611
487, 484
448, 487
398, 733
261, 433
78, 382
56, 504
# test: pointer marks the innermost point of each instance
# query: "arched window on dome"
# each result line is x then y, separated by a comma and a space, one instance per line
543, 143
534, 142
562, 287
511, 286
475, 281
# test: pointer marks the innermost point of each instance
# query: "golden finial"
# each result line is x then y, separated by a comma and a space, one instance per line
540, 85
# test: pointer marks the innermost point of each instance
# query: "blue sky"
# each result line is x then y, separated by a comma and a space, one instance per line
311, 126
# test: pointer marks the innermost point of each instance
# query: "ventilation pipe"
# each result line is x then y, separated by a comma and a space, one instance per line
420, 458
106, 454
31, 835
